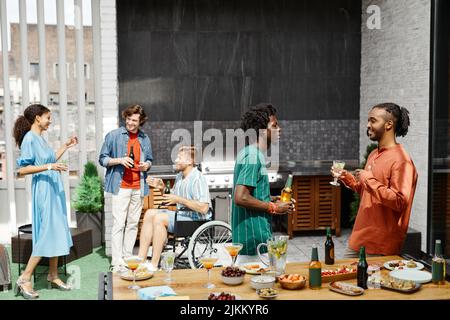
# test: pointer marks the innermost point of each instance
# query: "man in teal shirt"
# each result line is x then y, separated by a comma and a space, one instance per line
253, 207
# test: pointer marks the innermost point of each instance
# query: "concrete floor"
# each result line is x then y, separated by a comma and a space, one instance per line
299, 247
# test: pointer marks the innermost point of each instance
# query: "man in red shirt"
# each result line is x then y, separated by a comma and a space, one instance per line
386, 185
127, 155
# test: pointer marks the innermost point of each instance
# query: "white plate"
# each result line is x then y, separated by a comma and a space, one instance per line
413, 275
419, 265
254, 270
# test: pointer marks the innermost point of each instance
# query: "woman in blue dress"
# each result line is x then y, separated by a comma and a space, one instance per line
51, 233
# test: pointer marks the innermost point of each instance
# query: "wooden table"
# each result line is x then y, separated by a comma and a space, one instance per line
189, 282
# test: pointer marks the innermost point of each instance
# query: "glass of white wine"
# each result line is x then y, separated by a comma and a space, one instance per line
338, 166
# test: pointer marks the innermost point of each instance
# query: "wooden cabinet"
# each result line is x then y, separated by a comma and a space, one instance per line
318, 205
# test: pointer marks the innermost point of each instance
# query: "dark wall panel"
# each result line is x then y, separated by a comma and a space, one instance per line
185, 60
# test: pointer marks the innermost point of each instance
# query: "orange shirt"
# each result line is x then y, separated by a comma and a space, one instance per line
131, 177
387, 191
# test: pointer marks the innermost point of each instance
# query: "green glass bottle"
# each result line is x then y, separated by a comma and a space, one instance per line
167, 188
315, 270
361, 269
438, 265
329, 248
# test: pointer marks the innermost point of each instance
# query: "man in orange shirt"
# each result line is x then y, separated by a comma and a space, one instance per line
127, 156
386, 185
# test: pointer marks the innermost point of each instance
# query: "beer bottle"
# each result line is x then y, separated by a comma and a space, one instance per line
167, 188
438, 265
361, 270
286, 194
329, 248
131, 155
315, 270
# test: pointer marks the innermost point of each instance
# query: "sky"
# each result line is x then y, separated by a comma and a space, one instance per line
12, 12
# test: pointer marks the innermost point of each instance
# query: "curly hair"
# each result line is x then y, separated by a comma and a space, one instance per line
24, 122
135, 109
258, 117
399, 115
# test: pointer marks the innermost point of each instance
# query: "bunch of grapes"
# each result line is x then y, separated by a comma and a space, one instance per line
233, 272
221, 296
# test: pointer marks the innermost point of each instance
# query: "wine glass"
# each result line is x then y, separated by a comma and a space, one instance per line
208, 262
338, 166
167, 262
133, 263
233, 250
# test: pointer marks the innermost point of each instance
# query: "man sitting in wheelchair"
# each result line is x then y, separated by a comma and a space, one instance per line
189, 191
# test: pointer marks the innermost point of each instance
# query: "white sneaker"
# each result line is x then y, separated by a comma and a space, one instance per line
150, 267
119, 269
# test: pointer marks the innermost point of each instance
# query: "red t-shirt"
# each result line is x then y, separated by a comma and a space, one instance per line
131, 176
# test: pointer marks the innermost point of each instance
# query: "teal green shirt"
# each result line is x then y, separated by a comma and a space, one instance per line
251, 227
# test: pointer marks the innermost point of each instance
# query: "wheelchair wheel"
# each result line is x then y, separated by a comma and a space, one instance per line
208, 238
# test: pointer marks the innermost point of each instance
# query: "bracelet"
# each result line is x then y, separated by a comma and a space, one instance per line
272, 208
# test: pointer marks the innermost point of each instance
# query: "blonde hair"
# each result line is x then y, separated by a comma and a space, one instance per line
191, 150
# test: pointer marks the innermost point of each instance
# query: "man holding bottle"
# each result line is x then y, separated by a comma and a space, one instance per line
252, 206
127, 156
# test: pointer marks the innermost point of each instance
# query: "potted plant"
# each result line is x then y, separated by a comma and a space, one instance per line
354, 205
89, 202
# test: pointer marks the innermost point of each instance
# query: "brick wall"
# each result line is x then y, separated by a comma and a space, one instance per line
395, 66
300, 139
109, 89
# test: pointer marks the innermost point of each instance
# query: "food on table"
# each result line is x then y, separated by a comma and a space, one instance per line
411, 264
233, 272
397, 283
221, 296
347, 288
255, 268
267, 292
340, 270
396, 264
291, 278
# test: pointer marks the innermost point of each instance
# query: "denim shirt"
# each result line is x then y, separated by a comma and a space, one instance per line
116, 146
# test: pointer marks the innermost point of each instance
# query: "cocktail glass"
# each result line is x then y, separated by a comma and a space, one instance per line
208, 263
338, 166
133, 263
233, 250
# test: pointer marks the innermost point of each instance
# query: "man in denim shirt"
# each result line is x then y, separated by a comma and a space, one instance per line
125, 179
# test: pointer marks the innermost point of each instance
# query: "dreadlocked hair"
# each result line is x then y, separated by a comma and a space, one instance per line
258, 117
400, 117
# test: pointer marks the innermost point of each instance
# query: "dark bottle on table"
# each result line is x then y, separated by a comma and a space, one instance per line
131, 155
361, 272
167, 188
329, 248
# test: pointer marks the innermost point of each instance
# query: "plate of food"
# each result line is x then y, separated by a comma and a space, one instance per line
224, 296
411, 275
267, 293
254, 268
403, 265
345, 288
404, 286
340, 273
142, 273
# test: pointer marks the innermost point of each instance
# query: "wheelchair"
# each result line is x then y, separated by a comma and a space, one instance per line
197, 238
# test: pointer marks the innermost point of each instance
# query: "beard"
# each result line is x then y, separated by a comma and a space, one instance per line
375, 135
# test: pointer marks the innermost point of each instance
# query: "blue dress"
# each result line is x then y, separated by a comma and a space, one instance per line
51, 233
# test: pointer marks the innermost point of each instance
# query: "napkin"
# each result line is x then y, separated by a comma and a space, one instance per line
151, 293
